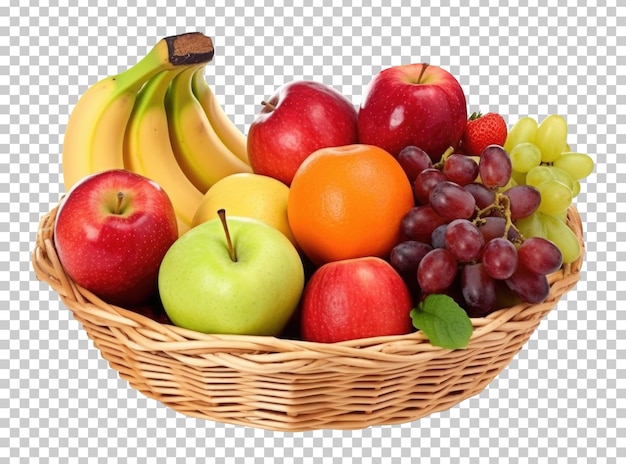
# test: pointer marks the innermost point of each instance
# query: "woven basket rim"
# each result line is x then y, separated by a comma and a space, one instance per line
166, 337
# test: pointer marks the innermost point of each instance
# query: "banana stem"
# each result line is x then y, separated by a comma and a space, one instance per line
189, 48
170, 52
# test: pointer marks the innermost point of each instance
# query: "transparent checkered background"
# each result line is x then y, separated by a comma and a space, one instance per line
561, 400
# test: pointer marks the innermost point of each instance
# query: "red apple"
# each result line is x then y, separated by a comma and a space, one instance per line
111, 232
300, 118
355, 298
413, 104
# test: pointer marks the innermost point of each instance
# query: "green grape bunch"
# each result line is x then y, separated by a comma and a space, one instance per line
541, 157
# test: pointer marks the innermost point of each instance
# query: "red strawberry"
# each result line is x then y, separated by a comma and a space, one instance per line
482, 131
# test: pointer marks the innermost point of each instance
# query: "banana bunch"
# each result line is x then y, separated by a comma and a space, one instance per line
160, 119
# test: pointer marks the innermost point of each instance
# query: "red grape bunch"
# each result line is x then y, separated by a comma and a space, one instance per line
460, 238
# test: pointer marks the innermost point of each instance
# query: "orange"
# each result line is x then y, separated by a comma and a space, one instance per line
348, 202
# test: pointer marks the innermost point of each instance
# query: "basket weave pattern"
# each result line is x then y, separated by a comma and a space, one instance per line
293, 385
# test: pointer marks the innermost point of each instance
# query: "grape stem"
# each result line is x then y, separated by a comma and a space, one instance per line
444, 157
501, 198
502, 204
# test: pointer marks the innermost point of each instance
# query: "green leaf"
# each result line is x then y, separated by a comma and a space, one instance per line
444, 322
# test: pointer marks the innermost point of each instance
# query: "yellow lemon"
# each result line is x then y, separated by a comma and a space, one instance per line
248, 195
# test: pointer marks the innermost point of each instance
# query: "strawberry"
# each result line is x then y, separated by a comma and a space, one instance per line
482, 131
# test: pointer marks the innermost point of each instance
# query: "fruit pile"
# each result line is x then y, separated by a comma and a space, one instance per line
327, 222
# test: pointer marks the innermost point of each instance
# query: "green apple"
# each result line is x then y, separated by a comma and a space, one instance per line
236, 276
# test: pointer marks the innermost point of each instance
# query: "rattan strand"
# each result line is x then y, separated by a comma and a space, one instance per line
294, 385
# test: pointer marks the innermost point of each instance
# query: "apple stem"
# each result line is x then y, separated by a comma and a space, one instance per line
267, 105
231, 249
424, 66
118, 205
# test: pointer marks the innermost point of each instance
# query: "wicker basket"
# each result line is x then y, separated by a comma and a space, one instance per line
292, 385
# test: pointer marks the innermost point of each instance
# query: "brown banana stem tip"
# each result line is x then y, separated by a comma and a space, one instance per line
189, 48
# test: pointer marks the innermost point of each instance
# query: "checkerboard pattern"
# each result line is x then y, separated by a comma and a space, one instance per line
563, 397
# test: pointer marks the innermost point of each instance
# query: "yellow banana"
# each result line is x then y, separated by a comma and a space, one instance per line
199, 151
95, 130
92, 140
148, 149
224, 127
